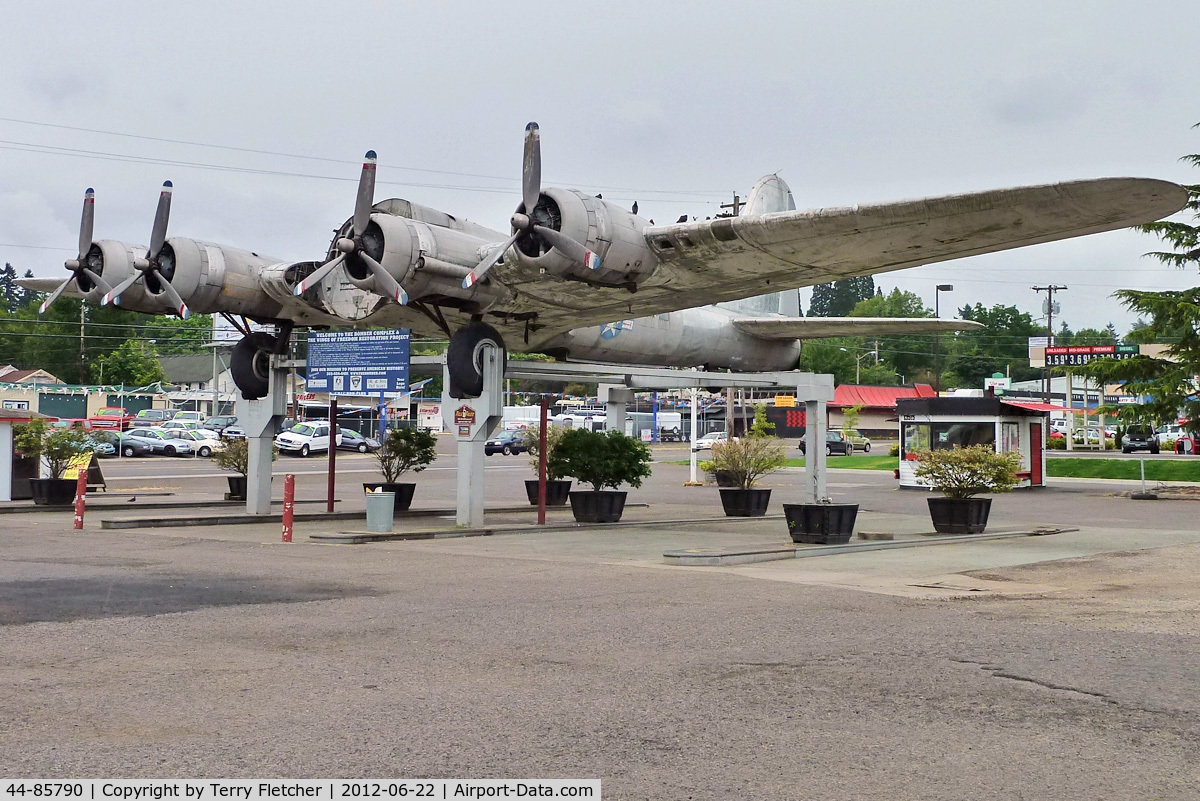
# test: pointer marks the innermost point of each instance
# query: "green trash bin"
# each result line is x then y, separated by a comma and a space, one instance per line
380, 510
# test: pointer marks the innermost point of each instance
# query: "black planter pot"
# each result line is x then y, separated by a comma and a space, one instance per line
605, 506
24, 469
556, 492
53, 491
237, 488
745, 502
959, 515
821, 523
404, 494
724, 479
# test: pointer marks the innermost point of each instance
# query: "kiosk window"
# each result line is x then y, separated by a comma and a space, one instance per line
944, 436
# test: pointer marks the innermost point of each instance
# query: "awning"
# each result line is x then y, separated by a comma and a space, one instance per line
1036, 406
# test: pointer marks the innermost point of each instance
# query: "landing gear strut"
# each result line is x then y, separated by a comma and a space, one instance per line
465, 358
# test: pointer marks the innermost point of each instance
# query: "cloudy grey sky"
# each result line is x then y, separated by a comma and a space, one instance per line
674, 105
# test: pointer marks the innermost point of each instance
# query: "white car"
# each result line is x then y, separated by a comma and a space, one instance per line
306, 438
205, 441
189, 417
708, 440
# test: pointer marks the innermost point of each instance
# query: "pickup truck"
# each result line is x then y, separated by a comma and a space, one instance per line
111, 418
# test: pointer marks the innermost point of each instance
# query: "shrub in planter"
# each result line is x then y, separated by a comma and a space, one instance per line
57, 446
744, 461
961, 474
402, 450
600, 460
235, 457
557, 487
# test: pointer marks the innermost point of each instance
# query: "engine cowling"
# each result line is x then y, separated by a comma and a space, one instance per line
609, 231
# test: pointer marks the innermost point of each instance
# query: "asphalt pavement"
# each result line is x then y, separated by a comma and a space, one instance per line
1060, 666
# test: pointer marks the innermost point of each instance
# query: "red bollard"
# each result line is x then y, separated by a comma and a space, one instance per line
289, 505
80, 494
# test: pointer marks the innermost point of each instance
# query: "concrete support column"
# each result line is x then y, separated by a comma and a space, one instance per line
474, 419
814, 446
615, 398
261, 420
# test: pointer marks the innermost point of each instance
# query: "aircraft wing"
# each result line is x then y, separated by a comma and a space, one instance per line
709, 261
786, 328
48, 285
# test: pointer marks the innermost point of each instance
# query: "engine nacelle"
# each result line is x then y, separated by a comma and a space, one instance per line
607, 230
113, 261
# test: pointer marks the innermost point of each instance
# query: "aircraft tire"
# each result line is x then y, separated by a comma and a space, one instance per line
250, 365
464, 358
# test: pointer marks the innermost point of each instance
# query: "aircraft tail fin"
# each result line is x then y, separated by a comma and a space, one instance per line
770, 194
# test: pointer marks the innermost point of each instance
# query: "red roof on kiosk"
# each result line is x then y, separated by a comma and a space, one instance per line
847, 395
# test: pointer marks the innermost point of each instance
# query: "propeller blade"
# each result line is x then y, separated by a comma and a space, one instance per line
488, 263
383, 280
116, 292
531, 167
570, 248
158, 234
180, 306
318, 274
54, 295
87, 222
99, 282
366, 195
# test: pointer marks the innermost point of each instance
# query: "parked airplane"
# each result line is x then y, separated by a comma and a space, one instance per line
575, 263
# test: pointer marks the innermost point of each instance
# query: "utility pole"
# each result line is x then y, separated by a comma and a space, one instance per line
1049, 290
734, 207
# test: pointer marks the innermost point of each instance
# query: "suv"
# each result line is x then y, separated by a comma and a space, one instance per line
220, 422
307, 438
1139, 438
149, 418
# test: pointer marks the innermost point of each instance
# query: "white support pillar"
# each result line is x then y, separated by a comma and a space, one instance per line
261, 420
692, 438
474, 420
814, 446
615, 398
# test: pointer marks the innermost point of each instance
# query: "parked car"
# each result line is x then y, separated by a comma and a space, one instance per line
857, 441
1139, 438
1169, 433
205, 441
219, 422
102, 445
708, 440
354, 441
131, 446
835, 442
113, 441
306, 438
149, 418
111, 417
506, 442
162, 442
233, 432
180, 425
189, 417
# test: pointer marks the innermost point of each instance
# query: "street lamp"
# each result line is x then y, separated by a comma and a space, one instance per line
858, 360
937, 359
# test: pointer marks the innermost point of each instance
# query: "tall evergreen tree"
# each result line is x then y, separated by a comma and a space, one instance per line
837, 299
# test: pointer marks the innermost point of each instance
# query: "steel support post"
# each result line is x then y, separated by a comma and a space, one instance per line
814, 446
615, 399
261, 420
475, 419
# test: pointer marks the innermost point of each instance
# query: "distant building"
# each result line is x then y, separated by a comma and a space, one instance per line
11, 375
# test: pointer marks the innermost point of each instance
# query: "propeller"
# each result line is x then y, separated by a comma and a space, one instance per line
152, 266
355, 247
80, 264
522, 220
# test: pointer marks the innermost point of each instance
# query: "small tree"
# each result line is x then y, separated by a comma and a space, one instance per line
966, 472
235, 456
58, 446
760, 427
28, 438
850, 418
745, 460
405, 449
531, 437
607, 459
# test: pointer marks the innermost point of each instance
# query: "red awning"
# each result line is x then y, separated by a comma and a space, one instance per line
846, 395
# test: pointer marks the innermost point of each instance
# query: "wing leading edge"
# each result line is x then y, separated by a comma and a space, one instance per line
786, 328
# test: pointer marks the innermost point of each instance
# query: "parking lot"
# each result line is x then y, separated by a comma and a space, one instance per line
1050, 666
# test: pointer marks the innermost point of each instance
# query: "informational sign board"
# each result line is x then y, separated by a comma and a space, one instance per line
1075, 355
785, 401
358, 362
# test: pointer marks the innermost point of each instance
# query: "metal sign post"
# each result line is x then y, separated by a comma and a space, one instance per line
332, 483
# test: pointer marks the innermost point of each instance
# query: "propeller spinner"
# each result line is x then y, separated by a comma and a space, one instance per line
355, 247
154, 267
81, 265
522, 220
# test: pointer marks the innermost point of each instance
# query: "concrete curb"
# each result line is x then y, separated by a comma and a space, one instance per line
364, 537
129, 507
700, 557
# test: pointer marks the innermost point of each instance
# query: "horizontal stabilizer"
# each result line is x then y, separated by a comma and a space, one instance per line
822, 327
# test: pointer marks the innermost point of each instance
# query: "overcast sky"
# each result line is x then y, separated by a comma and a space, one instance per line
676, 106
